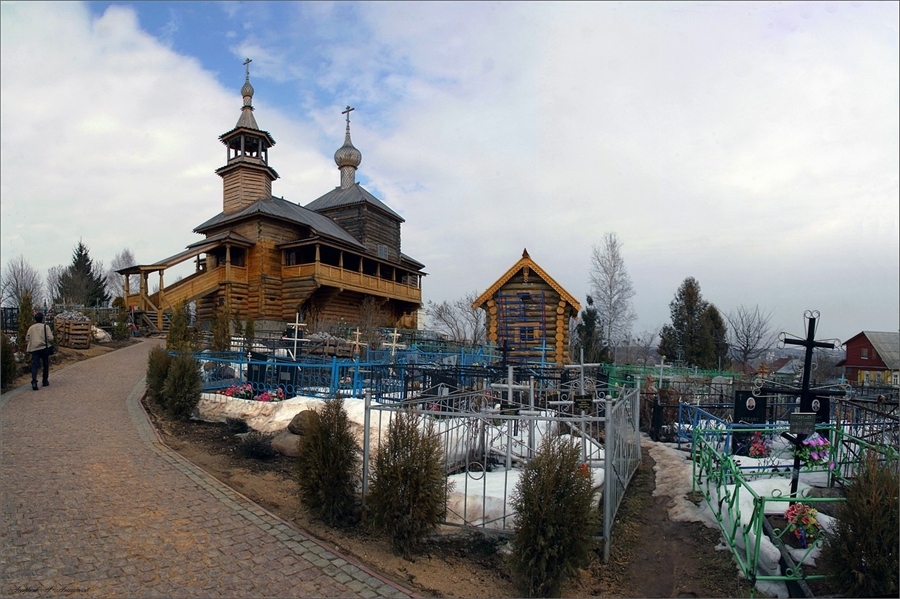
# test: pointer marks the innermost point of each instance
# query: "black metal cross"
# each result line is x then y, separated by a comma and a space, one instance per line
806, 398
347, 112
247, 68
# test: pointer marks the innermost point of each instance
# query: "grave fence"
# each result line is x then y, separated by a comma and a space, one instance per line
741, 510
487, 441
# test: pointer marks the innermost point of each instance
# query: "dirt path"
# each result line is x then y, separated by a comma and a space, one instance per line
653, 556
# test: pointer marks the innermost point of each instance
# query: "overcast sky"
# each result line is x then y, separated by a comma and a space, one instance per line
752, 146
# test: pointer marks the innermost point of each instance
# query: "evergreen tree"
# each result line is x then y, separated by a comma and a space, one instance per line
698, 334
588, 331
26, 319
715, 339
182, 337
82, 282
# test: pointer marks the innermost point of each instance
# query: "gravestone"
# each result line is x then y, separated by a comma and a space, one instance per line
748, 409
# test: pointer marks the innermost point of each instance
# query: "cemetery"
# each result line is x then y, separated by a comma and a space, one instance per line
770, 462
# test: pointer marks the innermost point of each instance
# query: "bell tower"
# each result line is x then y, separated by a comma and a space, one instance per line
246, 176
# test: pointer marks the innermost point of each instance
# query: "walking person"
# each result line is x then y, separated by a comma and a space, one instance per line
37, 340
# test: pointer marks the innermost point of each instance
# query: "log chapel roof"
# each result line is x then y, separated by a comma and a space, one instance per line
282, 209
524, 261
355, 194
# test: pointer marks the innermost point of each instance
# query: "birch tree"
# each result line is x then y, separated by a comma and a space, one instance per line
612, 290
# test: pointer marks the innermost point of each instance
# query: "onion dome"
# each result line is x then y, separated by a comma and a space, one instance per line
247, 92
347, 157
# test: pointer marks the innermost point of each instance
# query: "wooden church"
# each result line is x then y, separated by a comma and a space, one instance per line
270, 258
528, 314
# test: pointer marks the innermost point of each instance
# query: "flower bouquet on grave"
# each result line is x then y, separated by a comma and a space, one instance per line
244, 391
802, 521
275, 395
760, 447
814, 451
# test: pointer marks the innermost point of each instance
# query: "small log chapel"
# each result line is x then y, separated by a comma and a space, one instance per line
270, 258
528, 314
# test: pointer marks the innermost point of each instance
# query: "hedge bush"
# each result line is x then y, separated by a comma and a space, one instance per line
406, 498
555, 518
158, 364
328, 466
8, 366
181, 391
257, 446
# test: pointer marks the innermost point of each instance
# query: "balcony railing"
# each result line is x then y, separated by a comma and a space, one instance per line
335, 276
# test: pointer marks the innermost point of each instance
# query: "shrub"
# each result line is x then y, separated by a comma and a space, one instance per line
120, 327
26, 319
328, 466
257, 446
182, 337
236, 426
221, 331
182, 387
407, 494
8, 365
555, 518
862, 551
157, 370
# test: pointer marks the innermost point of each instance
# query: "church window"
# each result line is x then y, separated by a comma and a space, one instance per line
382, 251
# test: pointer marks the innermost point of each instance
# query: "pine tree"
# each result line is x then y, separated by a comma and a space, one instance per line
82, 283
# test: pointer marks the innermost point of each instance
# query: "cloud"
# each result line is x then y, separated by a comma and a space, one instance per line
753, 146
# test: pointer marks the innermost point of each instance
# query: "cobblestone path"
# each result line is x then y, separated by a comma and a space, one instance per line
94, 506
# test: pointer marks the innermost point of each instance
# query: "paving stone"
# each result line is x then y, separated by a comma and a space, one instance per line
95, 506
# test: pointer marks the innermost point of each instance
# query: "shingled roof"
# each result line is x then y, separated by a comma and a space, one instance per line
288, 211
355, 194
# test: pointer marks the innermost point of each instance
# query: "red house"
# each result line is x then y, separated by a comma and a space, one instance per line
873, 358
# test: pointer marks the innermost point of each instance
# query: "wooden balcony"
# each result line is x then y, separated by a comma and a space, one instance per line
335, 276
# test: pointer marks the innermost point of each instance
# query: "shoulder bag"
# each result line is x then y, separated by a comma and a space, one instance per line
51, 349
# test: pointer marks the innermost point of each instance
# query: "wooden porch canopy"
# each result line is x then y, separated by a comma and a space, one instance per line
227, 240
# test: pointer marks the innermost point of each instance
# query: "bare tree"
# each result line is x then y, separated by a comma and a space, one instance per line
115, 283
612, 290
457, 319
645, 344
19, 277
750, 334
54, 275
371, 318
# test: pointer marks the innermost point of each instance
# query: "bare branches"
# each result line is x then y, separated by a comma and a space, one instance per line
19, 277
457, 319
750, 334
612, 290
115, 283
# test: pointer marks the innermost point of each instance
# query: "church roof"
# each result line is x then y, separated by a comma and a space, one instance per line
524, 261
355, 194
284, 210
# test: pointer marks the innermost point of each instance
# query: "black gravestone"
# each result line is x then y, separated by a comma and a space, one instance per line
748, 409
